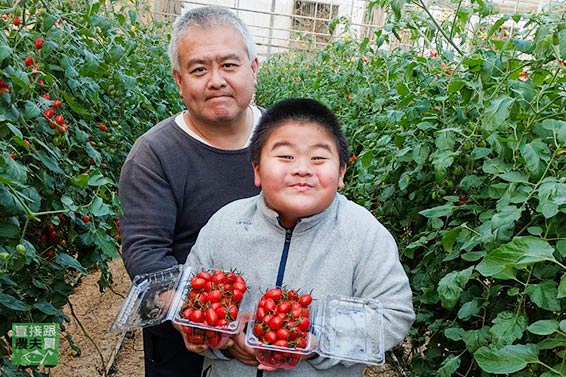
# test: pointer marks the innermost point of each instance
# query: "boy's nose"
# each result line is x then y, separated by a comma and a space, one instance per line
302, 167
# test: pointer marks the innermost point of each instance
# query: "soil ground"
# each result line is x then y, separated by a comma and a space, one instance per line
103, 350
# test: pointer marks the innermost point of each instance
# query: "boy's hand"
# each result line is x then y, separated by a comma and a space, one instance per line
239, 349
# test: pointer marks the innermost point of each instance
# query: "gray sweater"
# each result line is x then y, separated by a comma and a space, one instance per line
343, 250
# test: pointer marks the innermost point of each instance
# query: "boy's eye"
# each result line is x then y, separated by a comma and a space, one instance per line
285, 157
319, 158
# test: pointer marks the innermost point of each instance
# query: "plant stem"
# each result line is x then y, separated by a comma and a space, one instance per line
422, 5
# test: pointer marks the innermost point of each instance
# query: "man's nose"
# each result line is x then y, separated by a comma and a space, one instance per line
217, 79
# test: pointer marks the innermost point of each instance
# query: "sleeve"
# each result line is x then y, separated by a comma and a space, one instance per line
148, 218
381, 276
147, 224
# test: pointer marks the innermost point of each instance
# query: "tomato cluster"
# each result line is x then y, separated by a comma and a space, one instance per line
213, 300
282, 320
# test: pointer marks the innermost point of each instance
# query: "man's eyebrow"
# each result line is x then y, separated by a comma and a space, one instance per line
207, 60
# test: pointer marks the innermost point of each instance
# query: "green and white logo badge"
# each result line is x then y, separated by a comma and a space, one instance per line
35, 344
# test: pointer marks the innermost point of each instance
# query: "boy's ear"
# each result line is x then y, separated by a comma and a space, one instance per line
257, 175
341, 177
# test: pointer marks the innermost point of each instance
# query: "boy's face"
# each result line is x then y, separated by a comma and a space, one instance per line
299, 171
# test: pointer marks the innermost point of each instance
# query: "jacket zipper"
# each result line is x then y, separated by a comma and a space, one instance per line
284, 255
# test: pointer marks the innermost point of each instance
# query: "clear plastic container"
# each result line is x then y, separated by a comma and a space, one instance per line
158, 297
345, 328
200, 333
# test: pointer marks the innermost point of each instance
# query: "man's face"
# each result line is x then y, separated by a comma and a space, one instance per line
216, 80
299, 171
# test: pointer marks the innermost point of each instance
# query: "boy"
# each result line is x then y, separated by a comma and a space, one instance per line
300, 233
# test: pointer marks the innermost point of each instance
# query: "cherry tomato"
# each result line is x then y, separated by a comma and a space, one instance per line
211, 317
305, 300
197, 283
275, 323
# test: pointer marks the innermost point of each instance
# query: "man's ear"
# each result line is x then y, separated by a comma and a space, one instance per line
255, 68
177, 77
257, 175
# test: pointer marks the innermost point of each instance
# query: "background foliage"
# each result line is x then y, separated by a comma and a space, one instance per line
107, 75
459, 148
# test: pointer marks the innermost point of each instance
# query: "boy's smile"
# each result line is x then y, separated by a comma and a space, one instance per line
299, 171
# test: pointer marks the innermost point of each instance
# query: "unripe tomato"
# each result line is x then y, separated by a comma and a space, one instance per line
21, 249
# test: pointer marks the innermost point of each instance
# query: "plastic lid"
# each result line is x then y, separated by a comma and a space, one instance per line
146, 304
350, 328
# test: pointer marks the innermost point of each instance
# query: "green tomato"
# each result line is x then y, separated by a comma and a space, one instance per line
21, 249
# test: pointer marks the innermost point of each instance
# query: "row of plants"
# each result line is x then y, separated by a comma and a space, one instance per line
459, 148
79, 81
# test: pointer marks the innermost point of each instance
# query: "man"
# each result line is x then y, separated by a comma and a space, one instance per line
188, 166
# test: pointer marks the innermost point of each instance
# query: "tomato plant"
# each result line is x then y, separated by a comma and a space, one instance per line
65, 68
458, 147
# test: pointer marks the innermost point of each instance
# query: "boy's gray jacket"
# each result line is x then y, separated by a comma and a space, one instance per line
343, 250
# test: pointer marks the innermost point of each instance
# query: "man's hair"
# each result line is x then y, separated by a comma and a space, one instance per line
207, 18
301, 110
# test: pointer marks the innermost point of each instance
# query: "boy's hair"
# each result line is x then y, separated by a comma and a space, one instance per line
208, 18
302, 110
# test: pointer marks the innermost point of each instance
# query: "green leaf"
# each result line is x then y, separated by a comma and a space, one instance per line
519, 253
497, 112
514, 177
440, 211
543, 327
455, 86
522, 45
508, 359
480, 152
531, 157
449, 239
31, 110
506, 216
69, 100
99, 208
46, 308
452, 285
105, 243
469, 309
13, 303
97, 179
562, 287
558, 127
9, 230
561, 248
449, 366
454, 333
80, 180
49, 162
507, 328
5, 51
544, 295
67, 261
475, 339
